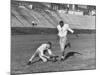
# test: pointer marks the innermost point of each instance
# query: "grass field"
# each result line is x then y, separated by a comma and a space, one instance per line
23, 46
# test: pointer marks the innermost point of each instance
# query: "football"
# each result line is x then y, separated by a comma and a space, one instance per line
53, 58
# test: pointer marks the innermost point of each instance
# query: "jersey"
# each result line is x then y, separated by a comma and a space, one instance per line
62, 31
42, 48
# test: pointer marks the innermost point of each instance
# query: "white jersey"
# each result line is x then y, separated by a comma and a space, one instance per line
62, 31
42, 48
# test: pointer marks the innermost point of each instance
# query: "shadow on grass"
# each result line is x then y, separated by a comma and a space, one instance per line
69, 54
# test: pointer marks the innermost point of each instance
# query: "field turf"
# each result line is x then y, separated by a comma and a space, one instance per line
23, 46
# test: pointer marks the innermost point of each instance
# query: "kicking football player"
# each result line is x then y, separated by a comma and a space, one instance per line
41, 52
62, 34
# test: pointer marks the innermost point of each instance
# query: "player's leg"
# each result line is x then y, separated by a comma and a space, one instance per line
67, 43
62, 44
32, 57
44, 59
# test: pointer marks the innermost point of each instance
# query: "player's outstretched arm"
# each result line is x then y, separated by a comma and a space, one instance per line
69, 29
32, 57
43, 55
50, 52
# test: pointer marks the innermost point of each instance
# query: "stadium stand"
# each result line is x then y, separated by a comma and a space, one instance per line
23, 17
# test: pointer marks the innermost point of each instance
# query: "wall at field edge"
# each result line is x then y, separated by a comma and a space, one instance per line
23, 17
21, 21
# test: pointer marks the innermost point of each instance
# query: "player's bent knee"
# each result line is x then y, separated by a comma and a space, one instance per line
44, 60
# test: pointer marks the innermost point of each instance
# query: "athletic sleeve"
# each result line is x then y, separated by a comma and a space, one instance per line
69, 29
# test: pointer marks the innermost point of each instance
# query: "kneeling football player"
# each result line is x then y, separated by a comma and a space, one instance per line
40, 52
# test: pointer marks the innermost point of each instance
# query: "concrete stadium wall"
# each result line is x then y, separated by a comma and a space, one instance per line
30, 30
